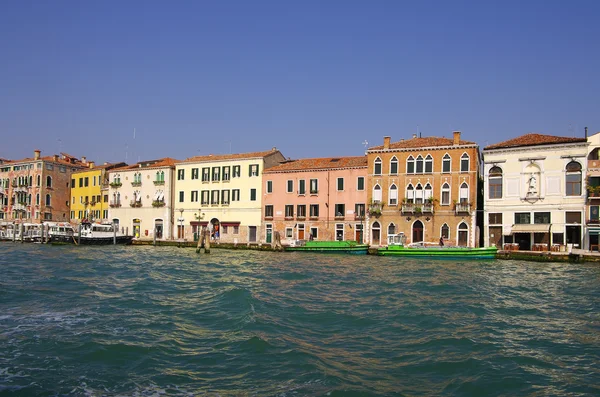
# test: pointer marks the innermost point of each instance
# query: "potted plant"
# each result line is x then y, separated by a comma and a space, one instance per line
593, 191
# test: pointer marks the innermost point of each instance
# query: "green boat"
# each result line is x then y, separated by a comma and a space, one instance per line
342, 247
397, 247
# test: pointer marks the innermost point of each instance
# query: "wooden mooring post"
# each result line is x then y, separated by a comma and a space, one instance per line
276, 244
204, 241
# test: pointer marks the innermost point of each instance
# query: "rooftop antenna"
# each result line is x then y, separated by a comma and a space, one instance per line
366, 145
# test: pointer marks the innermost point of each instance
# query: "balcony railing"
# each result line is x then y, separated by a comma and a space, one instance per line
115, 184
158, 203
115, 204
135, 203
136, 184
462, 208
159, 183
375, 209
592, 222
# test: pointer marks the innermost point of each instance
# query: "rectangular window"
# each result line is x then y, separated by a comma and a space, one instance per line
49, 167
195, 173
495, 218
541, 218
339, 231
80, 182
573, 217
214, 197
269, 186
522, 218
94, 181
410, 167
252, 194
204, 197
394, 167
301, 187
216, 174
359, 210
314, 210
106, 198
225, 197
314, 186
181, 194
268, 211
360, 183
340, 210
290, 186
253, 170
206, 174
72, 183
236, 171
180, 175
235, 195
301, 211
289, 211
194, 196
464, 163
226, 173
340, 184
289, 232
594, 213
314, 233
105, 214
446, 164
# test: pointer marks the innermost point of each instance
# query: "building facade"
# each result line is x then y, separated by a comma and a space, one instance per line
37, 189
224, 193
320, 199
592, 209
89, 192
535, 192
424, 187
141, 199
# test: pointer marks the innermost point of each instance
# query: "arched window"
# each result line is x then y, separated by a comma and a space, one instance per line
463, 234
495, 183
39, 180
417, 232
428, 193
162, 176
428, 164
391, 229
573, 179
419, 164
375, 233
37, 199
410, 194
377, 193
464, 193
31, 181
419, 194
393, 195
48, 200
48, 181
445, 199
445, 231
410, 165
377, 169
394, 166
464, 163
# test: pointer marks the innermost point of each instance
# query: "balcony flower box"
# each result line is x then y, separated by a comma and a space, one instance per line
135, 204
136, 184
115, 184
158, 203
159, 183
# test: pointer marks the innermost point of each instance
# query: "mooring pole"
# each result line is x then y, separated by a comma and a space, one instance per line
79, 235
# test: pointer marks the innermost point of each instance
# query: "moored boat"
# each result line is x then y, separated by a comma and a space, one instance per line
101, 234
343, 247
397, 247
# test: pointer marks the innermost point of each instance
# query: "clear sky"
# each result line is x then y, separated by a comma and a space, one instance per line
313, 78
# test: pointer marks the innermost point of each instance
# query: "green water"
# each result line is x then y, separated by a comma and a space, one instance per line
148, 321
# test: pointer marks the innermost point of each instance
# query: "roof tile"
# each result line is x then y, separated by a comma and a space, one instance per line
319, 163
430, 141
534, 140
221, 157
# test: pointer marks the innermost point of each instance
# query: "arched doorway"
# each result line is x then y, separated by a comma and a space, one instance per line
158, 228
463, 234
215, 229
136, 228
376, 233
417, 232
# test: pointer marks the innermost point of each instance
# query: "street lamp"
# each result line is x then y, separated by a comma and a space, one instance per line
181, 223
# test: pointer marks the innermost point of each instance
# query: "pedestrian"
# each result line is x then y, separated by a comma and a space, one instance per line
441, 241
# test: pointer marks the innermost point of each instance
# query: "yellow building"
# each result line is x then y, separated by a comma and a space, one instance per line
89, 192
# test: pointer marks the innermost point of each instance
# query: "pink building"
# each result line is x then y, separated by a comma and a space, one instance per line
321, 198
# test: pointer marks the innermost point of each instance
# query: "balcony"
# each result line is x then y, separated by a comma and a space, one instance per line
461, 208
136, 184
375, 209
158, 203
427, 208
358, 217
159, 183
268, 217
115, 184
114, 204
135, 203
592, 222
417, 208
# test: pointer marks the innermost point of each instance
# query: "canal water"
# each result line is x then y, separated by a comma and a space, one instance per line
154, 321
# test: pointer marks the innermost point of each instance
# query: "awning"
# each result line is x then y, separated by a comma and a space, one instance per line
594, 231
196, 223
529, 228
162, 196
230, 223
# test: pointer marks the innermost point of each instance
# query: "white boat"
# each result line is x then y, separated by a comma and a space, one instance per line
101, 234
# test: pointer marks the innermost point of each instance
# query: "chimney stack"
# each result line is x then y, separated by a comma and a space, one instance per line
585, 132
386, 142
414, 136
55, 157
456, 141
92, 164
36, 154
83, 160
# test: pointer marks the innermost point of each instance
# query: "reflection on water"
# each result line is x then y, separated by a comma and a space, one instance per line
166, 321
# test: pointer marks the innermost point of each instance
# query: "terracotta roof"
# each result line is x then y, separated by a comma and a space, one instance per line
220, 157
164, 162
107, 166
319, 163
430, 141
534, 140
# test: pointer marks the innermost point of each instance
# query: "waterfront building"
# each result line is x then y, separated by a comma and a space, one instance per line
320, 199
425, 187
89, 192
37, 189
592, 217
535, 192
141, 198
223, 192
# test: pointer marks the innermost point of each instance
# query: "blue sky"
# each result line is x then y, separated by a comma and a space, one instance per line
313, 78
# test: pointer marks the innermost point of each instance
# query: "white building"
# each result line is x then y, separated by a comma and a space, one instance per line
535, 192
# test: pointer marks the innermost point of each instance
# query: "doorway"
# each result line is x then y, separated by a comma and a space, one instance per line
376, 232
252, 234
417, 232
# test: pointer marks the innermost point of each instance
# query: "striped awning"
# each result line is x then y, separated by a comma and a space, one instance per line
530, 228
594, 231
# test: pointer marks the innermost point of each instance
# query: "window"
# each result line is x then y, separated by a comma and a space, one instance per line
269, 186
206, 174
205, 197
419, 194
314, 186
253, 170
214, 197
301, 211
94, 181
360, 183
268, 211
235, 195
594, 213
236, 171
428, 164
445, 194
289, 232
194, 196
419, 164
301, 186
180, 175
445, 231
410, 165
226, 173
339, 231
290, 186
495, 183
340, 210
48, 181
394, 166
225, 197
464, 163
393, 195
80, 182
464, 193
314, 210
377, 194
181, 194
573, 179
522, 218
216, 174
48, 200
314, 232
252, 194
236, 229
340, 184
86, 181
195, 173
359, 210
39, 181
391, 229
377, 169
289, 211
427, 193
495, 218
49, 167
573, 217
541, 218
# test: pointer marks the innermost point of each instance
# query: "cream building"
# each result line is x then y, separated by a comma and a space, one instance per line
141, 198
223, 192
535, 192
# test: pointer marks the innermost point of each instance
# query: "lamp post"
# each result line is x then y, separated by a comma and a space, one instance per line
181, 231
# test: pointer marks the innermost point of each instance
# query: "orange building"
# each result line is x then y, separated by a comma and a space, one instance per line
424, 187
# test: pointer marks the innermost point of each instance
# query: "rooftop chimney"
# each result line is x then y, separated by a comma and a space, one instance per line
36, 154
83, 159
585, 132
92, 164
456, 138
386, 142
414, 136
55, 157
